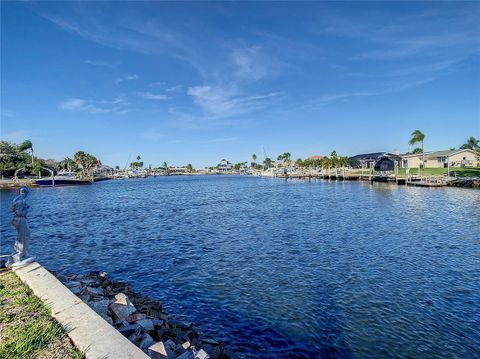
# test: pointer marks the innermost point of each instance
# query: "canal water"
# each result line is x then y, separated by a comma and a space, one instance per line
280, 269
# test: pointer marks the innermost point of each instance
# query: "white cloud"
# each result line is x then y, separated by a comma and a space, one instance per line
225, 139
380, 91
174, 88
117, 105
223, 102
249, 63
100, 63
152, 96
126, 78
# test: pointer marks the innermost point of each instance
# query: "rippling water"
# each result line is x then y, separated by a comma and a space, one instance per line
280, 269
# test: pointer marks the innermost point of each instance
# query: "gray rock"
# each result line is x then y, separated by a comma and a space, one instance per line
90, 282
170, 347
122, 307
85, 297
158, 322
146, 342
76, 290
186, 355
135, 337
161, 332
94, 292
128, 330
147, 324
73, 283
134, 317
100, 307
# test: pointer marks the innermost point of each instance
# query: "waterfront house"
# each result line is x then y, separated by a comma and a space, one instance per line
384, 164
367, 160
178, 170
441, 159
224, 166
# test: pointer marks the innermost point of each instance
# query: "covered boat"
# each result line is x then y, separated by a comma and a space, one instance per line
63, 178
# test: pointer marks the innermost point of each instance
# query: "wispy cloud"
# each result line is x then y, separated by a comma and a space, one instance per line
219, 101
101, 63
219, 140
152, 96
174, 88
377, 92
118, 105
126, 78
249, 64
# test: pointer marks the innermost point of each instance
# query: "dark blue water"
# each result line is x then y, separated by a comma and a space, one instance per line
280, 269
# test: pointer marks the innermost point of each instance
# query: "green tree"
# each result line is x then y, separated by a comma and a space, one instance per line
471, 144
267, 162
11, 159
417, 136
417, 150
26, 145
190, 167
343, 161
85, 162
334, 159
68, 164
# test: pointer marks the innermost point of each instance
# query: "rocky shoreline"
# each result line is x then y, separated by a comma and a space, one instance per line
142, 319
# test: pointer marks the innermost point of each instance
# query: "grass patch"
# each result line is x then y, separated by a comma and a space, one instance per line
454, 171
26, 328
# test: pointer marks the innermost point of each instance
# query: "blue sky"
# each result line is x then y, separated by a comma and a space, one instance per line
197, 82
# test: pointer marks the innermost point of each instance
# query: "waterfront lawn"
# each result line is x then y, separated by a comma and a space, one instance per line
455, 171
26, 328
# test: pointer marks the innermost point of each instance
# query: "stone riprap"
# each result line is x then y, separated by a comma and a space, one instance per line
142, 319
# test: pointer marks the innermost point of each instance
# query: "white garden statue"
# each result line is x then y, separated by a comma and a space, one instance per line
20, 255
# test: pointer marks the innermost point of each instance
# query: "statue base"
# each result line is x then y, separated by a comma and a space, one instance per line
22, 262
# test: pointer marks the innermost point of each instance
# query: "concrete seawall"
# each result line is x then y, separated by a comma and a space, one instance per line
88, 331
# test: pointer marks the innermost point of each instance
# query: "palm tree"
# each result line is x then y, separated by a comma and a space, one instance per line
326, 163
79, 157
418, 137
471, 144
286, 156
268, 162
26, 145
68, 164
254, 157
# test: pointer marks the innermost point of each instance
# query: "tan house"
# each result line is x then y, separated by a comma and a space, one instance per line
441, 159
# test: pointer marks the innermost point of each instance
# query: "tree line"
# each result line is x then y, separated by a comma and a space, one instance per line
22, 156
